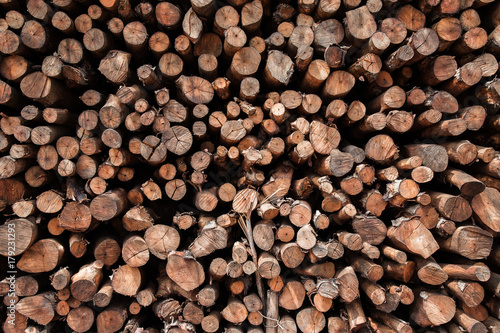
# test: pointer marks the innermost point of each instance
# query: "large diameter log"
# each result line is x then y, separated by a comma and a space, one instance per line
24, 234
310, 320
115, 66
107, 250
75, 217
39, 308
127, 280
292, 295
323, 138
245, 201
135, 251
371, 229
185, 271
451, 207
381, 149
108, 205
161, 239
235, 312
42, 256
467, 184
338, 84
469, 241
433, 156
10, 95
431, 309
411, 235
245, 63
45, 90
486, 207
85, 283
360, 24
348, 284
211, 238
195, 90
112, 318
279, 69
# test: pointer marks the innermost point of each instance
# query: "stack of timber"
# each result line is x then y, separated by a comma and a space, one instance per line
249, 166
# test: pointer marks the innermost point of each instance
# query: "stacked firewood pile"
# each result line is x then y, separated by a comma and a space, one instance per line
250, 166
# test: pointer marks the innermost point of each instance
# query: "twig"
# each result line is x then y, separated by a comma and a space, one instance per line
258, 279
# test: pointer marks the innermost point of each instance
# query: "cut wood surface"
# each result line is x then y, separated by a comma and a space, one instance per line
250, 166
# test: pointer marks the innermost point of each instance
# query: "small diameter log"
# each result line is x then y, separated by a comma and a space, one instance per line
374, 291
396, 271
393, 254
356, 315
366, 268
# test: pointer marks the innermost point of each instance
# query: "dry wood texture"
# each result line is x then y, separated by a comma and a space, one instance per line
249, 166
